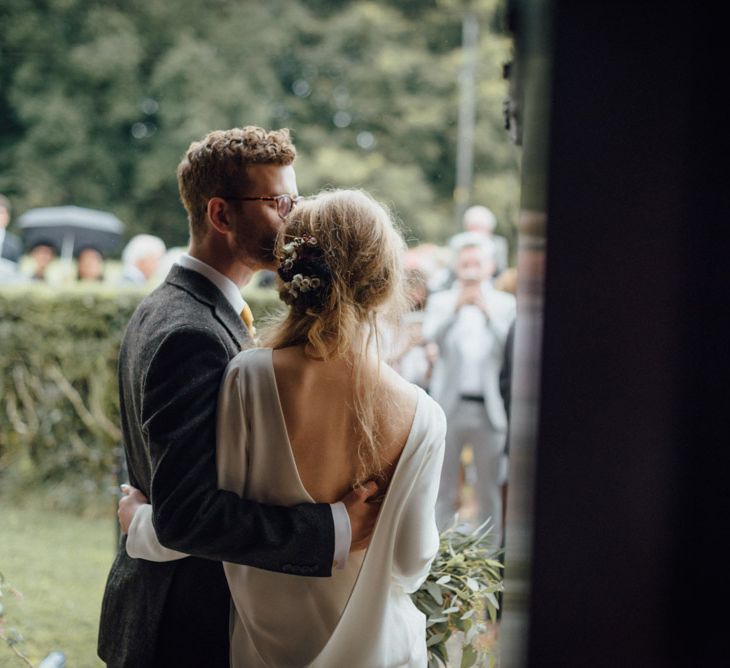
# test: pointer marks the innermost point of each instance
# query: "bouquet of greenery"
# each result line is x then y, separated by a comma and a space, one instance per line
459, 593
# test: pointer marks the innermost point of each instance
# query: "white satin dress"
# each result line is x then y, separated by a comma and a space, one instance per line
361, 617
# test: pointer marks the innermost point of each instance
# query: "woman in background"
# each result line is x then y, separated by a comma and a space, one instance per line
90, 265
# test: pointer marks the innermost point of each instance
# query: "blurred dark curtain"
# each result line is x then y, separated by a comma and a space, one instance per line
620, 434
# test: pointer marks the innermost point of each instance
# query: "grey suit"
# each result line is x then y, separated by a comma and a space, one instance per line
11, 248
483, 424
172, 358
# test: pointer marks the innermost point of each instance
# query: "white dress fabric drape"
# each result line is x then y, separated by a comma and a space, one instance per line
361, 617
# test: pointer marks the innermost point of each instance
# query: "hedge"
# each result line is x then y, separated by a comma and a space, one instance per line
59, 410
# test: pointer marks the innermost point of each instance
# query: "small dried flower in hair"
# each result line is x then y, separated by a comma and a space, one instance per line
304, 271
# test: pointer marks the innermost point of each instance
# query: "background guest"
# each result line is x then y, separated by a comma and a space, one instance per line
90, 265
469, 324
168, 261
11, 247
507, 281
141, 258
478, 225
481, 220
411, 355
42, 255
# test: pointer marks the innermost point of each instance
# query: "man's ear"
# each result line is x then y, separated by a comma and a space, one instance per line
218, 212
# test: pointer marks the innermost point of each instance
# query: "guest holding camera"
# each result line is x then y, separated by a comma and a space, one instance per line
469, 324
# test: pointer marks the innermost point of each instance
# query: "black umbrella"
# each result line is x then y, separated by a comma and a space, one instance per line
70, 229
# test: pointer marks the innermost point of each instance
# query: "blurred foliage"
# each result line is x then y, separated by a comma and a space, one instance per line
99, 101
59, 409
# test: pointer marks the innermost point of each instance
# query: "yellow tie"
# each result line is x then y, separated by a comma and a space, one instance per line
247, 318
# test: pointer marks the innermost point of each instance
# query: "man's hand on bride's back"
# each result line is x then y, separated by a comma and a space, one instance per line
362, 506
131, 499
363, 513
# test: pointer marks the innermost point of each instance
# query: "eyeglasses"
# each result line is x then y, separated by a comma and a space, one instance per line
284, 203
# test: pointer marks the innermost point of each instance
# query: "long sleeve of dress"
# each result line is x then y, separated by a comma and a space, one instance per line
418, 538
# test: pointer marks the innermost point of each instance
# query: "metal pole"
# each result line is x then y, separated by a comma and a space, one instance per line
467, 118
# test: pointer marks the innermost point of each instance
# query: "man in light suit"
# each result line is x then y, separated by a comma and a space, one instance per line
10, 246
469, 324
480, 220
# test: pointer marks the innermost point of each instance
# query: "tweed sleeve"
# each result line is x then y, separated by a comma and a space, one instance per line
190, 513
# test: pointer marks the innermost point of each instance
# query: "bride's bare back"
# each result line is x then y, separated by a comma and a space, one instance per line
316, 400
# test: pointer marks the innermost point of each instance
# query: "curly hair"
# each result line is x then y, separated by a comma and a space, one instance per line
216, 165
364, 285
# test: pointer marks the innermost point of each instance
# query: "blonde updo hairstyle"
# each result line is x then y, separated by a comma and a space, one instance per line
366, 287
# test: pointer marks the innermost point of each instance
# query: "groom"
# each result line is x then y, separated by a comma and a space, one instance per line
237, 187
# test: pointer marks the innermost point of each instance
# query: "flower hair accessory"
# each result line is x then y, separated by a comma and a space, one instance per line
304, 271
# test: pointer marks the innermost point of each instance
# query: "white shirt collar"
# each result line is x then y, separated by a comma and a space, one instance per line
229, 289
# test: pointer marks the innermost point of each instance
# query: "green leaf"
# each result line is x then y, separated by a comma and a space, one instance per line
436, 639
443, 580
450, 588
441, 652
435, 592
471, 634
468, 657
441, 627
427, 605
472, 584
468, 614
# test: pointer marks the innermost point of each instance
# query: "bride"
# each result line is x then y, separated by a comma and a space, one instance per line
310, 416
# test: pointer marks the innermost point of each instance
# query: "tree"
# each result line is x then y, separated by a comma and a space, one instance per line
99, 102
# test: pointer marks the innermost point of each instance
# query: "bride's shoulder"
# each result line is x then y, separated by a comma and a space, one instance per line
436, 416
248, 355
248, 361
428, 411
397, 387
400, 394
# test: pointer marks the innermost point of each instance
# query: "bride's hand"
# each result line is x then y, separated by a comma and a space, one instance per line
131, 499
363, 514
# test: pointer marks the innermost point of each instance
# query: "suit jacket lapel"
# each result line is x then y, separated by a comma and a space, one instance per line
232, 322
203, 290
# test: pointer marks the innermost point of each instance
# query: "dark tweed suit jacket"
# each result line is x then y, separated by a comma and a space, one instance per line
171, 362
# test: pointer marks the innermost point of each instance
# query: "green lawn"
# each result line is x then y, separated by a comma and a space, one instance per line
59, 562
